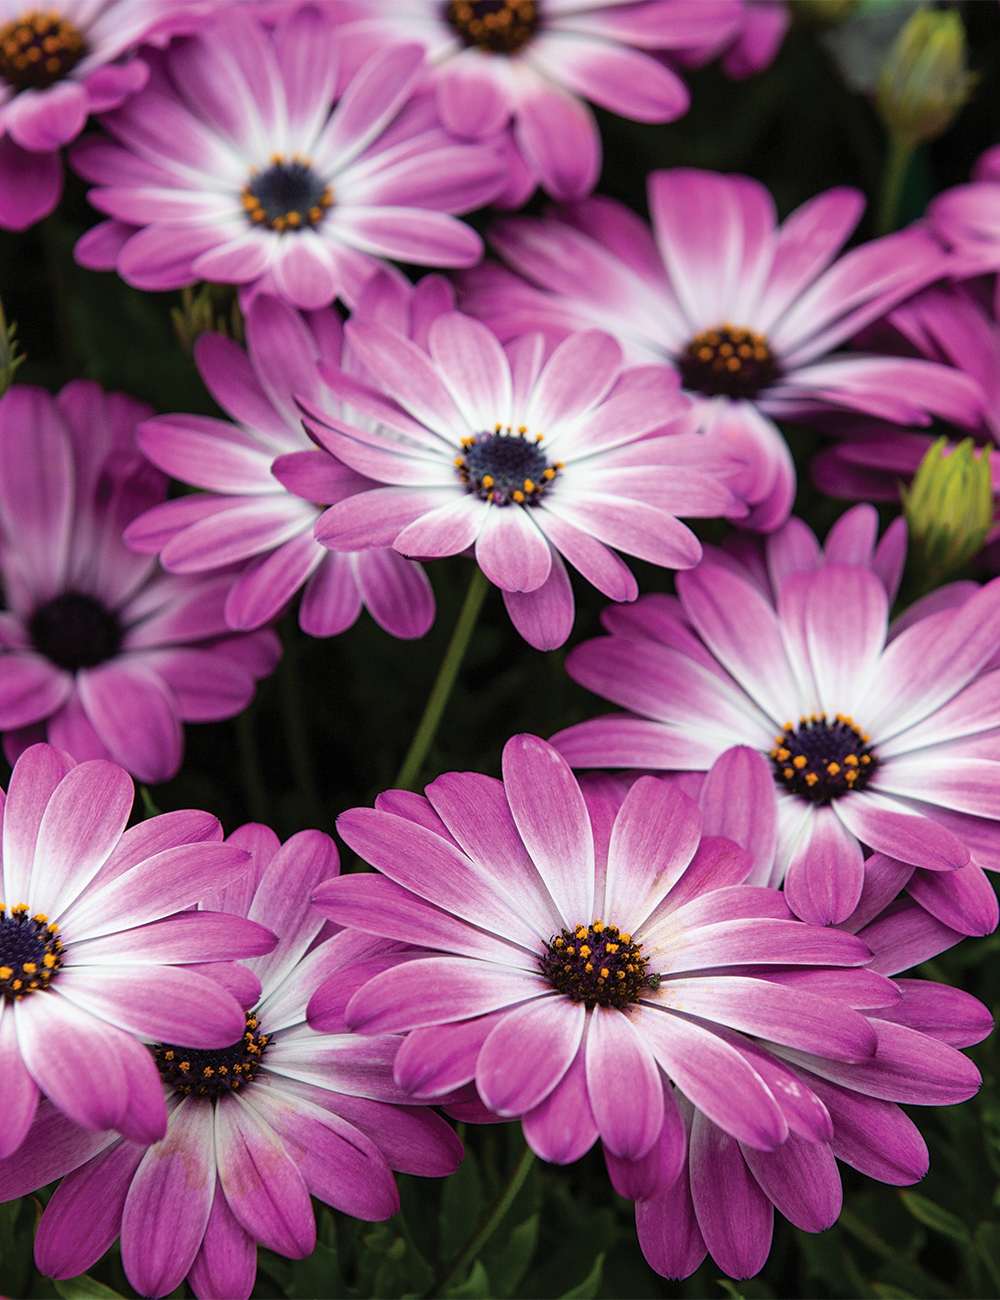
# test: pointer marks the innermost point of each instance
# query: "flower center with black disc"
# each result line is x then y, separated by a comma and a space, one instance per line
38, 49
506, 466
287, 196
497, 26
728, 361
205, 1073
31, 952
822, 760
598, 965
75, 631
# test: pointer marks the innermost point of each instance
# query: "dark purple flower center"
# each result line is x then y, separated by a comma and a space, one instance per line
75, 631
288, 196
216, 1072
38, 49
728, 361
822, 760
506, 467
597, 965
499, 26
30, 952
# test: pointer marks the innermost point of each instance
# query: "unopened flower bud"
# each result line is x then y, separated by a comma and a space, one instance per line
206, 309
949, 511
924, 82
10, 357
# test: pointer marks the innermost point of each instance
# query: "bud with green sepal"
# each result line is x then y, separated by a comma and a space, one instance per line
10, 356
949, 511
923, 84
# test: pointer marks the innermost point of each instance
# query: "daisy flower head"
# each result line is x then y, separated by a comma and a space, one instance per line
256, 1126
98, 955
868, 741
263, 477
58, 64
586, 964
529, 454
231, 166
745, 311
104, 654
531, 64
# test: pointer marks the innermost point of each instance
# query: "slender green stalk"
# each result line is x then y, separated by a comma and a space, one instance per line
296, 735
897, 164
487, 1225
253, 779
450, 664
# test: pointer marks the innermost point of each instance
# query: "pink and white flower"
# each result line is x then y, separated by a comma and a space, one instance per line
672, 1041
264, 478
890, 745
98, 955
747, 313
230, 166
58, 65
256, 1126
103, 653
529, 456
531, 64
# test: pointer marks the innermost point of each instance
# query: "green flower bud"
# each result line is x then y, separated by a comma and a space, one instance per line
949, 511
10, 357
209, 308
924, 82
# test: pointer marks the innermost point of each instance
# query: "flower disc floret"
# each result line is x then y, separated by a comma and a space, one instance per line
75, 631
822, 760
38, 49
597, 965
729, 361
30, 952
213, 1073
497, 26
287, 196
506, 466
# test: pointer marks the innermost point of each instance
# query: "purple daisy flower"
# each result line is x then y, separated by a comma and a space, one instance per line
59, 64
887, 745
587, 961
96, 951
230, 166
104, 653
528, 454
966, 219
257, 1126
746, 312
265, 476
532, 63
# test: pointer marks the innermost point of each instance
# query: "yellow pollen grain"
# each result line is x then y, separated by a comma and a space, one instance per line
487, 480
788, 773
584, 950
29, 967
604, 972
783, 755
529, 485
6, 972
48, 960
800, 761
597, 927
589, 967
851, 760
626, 938
518, 496
811, 778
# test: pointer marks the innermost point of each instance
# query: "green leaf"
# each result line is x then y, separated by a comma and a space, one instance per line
933, 1216
588, 1287
509, 1259
461, 1206
85, 1287
887, 1292
988, 1244
318, 1277
475, 1287
729, 1288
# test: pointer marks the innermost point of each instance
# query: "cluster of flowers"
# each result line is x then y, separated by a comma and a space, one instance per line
197, 1034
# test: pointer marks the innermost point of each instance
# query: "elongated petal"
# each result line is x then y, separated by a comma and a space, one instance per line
527, 1053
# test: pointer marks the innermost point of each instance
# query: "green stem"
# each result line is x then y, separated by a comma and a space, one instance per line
488, 1224
296, 735
422, 741
253, 778
896, 166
